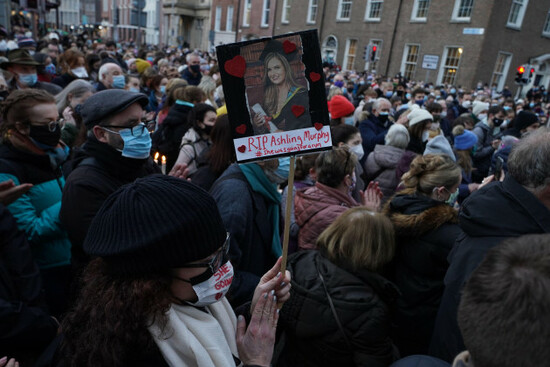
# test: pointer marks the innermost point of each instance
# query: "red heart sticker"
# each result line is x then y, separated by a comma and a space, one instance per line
314, 76
242, 149
297, 110
318, 126
236, 66
241, 129
289, 47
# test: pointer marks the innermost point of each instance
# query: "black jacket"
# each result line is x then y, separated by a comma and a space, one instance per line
167, 139
361, 301
64, 79
426, 230
490, 215
95, 172
25, 326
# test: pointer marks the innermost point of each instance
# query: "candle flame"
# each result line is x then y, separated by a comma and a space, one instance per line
163, 159
156, 156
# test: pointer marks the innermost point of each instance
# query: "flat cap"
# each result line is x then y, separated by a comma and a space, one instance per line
107, 103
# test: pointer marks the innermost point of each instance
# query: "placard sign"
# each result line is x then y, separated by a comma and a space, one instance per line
430, 62
275, 94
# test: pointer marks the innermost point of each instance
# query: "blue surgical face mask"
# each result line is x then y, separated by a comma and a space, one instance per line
28, 79
452, 198
339, 83
453, 91
137, 142
284, 168
408, 96
150, 58
389, 94
135, 90
163, 89
349, 121
119, 82
532, 104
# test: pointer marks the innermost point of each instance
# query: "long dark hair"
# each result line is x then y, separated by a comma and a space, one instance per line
108, 325
222, 152
197, 114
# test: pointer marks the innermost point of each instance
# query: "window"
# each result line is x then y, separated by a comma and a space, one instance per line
218, 23
374, 10
344, 10
449, 66
420, 10
285, 18
410, 58
462, 11
517, 11
312, 11
265, 13
229, 19
105, 5
246, 14
546, 29
501, 69
351, 50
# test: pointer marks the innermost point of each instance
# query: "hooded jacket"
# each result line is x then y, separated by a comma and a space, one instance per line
489, 216
362, 303
426, 230
380, 166
315, 209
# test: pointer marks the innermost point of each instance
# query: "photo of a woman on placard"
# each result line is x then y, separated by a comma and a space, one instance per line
285, 104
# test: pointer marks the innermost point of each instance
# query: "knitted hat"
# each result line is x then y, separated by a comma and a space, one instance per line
439, 145
142, 65
524, 119
339, 106
26, 42
156, 223
479, 107
418, 115
466, 140
108, 103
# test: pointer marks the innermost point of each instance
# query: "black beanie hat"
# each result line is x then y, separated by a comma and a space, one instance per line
156, 223
524, 119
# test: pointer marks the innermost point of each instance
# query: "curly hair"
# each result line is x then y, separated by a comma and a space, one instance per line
431, 171
70, 59
108, 324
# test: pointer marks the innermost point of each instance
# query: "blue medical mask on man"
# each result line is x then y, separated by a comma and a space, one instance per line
28, 79
119, 82
137, 141
349, 121
389, 94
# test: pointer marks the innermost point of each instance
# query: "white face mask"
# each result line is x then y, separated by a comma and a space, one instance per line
466, 104
80, 72
482, 116
443, 114
425, 135
358, 151
214, 288
435, 126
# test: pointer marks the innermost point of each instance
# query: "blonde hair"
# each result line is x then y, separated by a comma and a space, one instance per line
430, 171
271, 99
359, 239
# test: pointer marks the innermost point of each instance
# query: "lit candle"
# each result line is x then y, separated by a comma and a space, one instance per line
156, 156
163, 166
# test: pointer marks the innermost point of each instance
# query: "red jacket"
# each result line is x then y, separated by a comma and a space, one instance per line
315, 209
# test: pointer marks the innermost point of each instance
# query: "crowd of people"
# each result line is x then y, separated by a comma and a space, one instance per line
131, 236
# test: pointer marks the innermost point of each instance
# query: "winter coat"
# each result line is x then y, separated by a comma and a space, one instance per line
192, 145
37, 211
92, 176
426, 230
373, 132
167, 139
64, 79
315, 209
490, 215
362, 303
380, 166
25, 326
484, 150
245, 215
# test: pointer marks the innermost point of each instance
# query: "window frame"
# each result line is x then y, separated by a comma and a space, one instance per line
368, 10
218, 19
442, 64
347, 55
546, 26
285, 13
309, 11
520, 15
340, 9
229, 19
416, 7
404, 61
266, 14
247, 9
456, 18
505, 69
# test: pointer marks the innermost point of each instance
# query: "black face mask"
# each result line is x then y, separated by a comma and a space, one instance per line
207, 129
4, 94
43, 135
383, 118
195, 68
400, 93
497, 122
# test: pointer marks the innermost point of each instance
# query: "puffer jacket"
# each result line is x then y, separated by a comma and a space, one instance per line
362, 302
37, 211
426, 231
315, 209
380, 166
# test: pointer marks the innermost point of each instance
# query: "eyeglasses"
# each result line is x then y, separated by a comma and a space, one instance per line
217, 261
52, 125
136, 130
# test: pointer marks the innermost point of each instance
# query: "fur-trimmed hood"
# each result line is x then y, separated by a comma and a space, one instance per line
414, 215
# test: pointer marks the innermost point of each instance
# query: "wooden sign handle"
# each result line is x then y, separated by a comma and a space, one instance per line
288, 212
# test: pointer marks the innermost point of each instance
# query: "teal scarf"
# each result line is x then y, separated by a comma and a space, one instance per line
260, 184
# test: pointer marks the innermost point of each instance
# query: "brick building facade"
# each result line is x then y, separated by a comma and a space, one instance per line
467, 41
